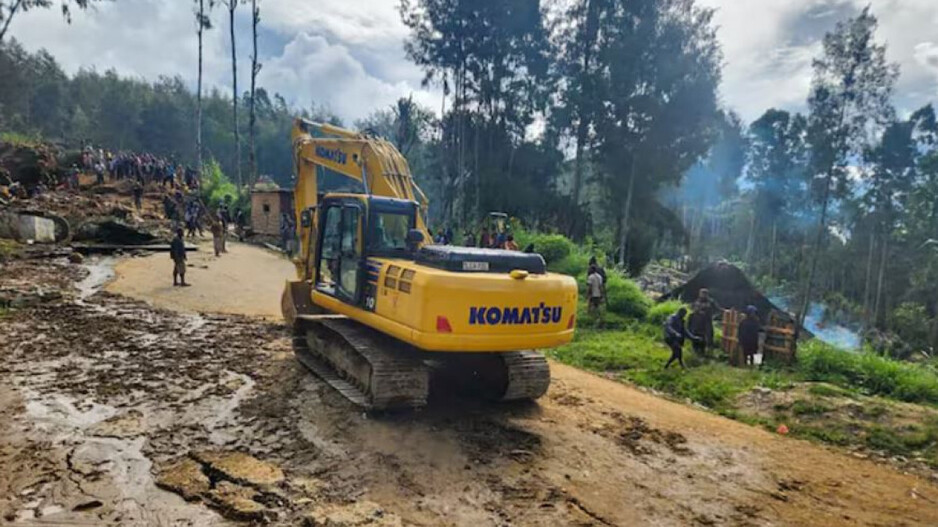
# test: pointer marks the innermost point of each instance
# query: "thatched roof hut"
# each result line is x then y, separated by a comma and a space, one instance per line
728, 285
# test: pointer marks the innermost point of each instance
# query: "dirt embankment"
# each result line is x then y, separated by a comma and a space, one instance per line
107, 399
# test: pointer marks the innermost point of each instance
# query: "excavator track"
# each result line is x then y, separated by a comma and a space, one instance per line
369, 369
527, 373
504, 376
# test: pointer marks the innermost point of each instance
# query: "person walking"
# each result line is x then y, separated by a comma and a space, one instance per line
177, 251
674, 335
596, 289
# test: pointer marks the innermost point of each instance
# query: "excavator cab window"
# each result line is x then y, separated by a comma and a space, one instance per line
331, 249
350, 261
341, 254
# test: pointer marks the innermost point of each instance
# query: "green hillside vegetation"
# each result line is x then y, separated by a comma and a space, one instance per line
624, 342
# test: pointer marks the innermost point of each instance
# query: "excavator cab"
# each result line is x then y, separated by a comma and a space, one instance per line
352, 229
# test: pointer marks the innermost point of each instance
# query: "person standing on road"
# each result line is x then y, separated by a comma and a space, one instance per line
216, 236
224, 214
595, 288
674, 335
177, 251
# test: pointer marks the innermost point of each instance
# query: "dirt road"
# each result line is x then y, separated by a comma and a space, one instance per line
98, 390
240, 282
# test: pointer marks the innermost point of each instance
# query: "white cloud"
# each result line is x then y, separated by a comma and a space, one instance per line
327, 73
768, 47
344, 54
349, 54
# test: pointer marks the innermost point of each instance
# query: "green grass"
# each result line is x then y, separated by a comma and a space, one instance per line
637, 355
804, 407
634, 349
870, 373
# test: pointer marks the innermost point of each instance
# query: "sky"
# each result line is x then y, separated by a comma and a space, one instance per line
348, 56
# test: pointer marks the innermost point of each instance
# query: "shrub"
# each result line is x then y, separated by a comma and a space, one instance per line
215, 185
553, 247
661, 311
873, 374
624, 298
574, 264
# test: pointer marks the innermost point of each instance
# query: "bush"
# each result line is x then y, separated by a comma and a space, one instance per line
660, 312
574, 264
624, 298
873, 374
215, 185
910, 322
553, 247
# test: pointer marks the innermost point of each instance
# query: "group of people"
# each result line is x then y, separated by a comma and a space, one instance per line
699, 329
501, 240
144, 168
195, 214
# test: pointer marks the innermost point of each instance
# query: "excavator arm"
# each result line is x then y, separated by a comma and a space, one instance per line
370, 162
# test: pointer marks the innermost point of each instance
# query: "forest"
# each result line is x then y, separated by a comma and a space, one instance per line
599, 120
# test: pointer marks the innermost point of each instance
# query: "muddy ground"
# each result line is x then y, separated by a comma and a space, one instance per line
120, 412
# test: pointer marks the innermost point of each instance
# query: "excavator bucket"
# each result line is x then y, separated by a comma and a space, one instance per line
296, 300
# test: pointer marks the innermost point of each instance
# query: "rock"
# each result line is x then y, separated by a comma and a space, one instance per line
237, 502
128, 424
185, 478
362, 513
240, 468
76, 258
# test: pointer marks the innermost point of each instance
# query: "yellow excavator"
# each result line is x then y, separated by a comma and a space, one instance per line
376, 306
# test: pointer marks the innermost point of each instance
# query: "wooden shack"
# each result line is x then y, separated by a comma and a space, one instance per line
267, 203
779, 344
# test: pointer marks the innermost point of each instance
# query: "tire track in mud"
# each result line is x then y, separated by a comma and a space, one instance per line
105, 398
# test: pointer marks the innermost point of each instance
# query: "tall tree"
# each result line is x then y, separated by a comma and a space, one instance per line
891, 178
661, 64
232, 5
203, 23
10, 8
255, 69
494, 52
578, 37
849, 100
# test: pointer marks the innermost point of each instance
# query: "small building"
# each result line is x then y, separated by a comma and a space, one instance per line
268, 201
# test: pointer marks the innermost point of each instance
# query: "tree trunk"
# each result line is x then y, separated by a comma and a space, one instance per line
822, 226
750, 239
933, 330
232, 5
623, 253
772, 257
868, 283
879, 281
255, 69
198, 96
9, 18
